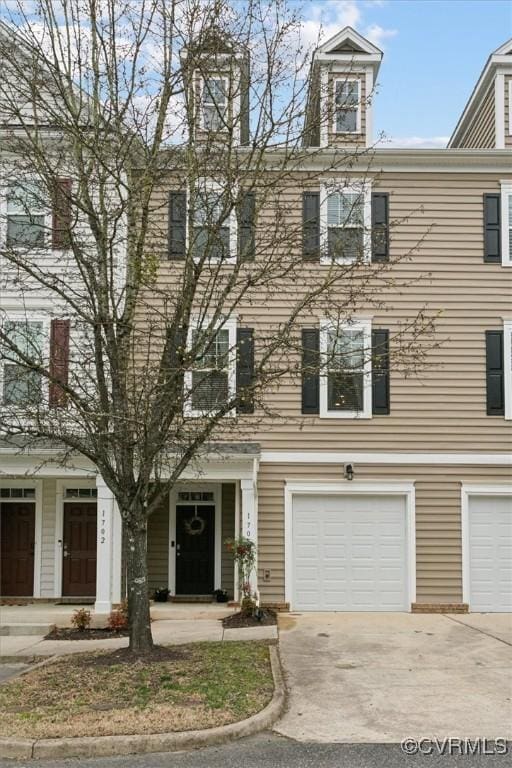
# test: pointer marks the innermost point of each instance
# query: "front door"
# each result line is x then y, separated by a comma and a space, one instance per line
195, 537
17, 535
79, 550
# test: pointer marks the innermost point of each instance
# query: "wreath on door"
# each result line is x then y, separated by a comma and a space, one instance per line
195, 525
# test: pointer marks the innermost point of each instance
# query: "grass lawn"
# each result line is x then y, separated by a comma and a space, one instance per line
185, 687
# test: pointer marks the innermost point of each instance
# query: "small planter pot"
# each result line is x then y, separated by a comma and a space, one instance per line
161, 595
221, 596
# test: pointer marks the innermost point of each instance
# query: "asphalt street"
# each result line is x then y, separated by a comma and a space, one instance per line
272, 751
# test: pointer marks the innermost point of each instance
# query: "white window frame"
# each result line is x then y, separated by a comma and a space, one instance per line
8, 182
215, 186
358, 324
357, 80
346, 187
507, 367
203, 91
230, 326
23, 317
510, 107
506, 224
38, 537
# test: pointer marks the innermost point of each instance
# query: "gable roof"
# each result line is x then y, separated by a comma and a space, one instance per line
497, 58
348, 40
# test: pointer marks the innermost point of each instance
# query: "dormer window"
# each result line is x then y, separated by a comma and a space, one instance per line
214, 103
347, 106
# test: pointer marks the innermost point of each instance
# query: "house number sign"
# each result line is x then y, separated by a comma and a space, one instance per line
103, 524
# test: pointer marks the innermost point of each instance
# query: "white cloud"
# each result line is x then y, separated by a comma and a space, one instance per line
377, 34
325, 19
414, 142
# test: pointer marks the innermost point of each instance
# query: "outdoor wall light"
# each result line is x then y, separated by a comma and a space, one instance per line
348, 471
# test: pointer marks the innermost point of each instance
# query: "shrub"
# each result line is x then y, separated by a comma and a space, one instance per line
118, 618
247, 606
81, 619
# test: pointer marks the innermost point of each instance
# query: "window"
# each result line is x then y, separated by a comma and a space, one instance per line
214, 103
347, 106
25, 216
81, 493
506, 223
345, 383
17, 493
212, 381
22, 386
212, 223
345, 216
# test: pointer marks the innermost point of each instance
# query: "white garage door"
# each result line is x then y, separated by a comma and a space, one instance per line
490, 553
349, 553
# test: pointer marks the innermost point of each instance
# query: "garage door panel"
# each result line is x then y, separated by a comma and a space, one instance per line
490, 553
360, 549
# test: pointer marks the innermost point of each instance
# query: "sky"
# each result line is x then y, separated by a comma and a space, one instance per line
434, 52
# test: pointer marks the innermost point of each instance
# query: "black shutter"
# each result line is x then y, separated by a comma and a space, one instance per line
380, 226
492, 228
380, 372
310, 370
246, 226
245, 369
311, 226
494, 373
177, 224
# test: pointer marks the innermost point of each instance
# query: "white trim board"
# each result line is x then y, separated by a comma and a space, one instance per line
372, 488
333, 457
60, 487
466, 491
38, 523
216, 488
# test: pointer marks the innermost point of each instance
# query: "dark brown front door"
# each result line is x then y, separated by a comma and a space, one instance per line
79, 550
17, 535
195, 537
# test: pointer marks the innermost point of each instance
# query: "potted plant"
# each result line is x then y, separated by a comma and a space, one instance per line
161, 595
221, 596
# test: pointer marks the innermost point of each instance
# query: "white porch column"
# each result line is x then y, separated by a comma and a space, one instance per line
117, 554
250, 521
104, 548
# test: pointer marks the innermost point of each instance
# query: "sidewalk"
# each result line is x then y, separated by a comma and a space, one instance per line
165, 632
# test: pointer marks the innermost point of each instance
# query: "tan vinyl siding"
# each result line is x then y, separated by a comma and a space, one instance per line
443, 408
158, 547
48, 539
508, 112
438, 519
481, 133
228, 532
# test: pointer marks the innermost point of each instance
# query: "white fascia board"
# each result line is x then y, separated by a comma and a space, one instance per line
334, 457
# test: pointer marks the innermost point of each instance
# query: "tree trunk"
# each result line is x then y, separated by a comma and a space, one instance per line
141, 639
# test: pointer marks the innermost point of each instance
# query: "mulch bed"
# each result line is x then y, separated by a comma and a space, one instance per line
158, 654
267, 617
66, 633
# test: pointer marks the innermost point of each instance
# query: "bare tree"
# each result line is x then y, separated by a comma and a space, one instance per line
175, 208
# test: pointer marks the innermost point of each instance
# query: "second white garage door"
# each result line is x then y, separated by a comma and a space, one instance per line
490, 553
349, 553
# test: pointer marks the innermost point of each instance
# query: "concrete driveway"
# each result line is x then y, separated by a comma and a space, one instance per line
380, 677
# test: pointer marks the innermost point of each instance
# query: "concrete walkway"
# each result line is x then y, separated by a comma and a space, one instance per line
173, 624
170, 632
368, 677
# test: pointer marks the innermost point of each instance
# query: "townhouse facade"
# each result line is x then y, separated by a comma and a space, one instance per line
372, 491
